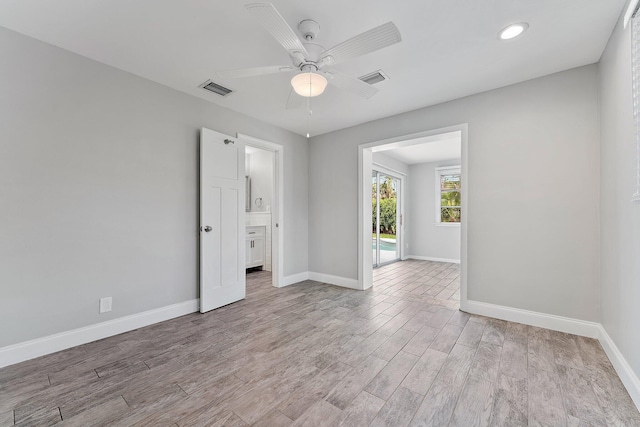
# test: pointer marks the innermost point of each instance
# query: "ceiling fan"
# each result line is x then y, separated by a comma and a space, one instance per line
312, 60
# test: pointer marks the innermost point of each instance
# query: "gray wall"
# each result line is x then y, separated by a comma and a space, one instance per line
619, 218
99, 190
261, 174
533, 192
390, 163
424, 236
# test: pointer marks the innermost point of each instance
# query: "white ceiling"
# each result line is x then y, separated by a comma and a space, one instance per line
449, 49
426, 150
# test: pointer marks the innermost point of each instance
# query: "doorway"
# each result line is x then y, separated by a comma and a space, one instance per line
263, 211
259, 190
367, 165
386, 218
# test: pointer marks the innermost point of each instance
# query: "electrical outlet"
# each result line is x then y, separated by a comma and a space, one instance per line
105, 304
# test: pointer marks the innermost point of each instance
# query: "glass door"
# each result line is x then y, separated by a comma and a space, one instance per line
385, 209
375, 215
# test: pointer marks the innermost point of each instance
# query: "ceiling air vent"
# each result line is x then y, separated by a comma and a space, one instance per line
375, 77
216, 88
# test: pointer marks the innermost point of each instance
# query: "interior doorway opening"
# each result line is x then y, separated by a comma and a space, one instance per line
259, 191
263, 211
438, 203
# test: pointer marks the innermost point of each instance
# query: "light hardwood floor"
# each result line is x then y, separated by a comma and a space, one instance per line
313, 355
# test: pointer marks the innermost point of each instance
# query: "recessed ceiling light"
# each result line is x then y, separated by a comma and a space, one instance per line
512, 31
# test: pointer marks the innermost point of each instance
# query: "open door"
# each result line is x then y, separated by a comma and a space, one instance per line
222, 205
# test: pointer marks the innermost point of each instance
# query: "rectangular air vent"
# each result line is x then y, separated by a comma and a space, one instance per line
216, 88
373, 78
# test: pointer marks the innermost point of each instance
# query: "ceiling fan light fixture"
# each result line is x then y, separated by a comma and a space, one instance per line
513, 31
309, 84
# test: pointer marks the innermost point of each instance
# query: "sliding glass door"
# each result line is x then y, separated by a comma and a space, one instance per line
386, 218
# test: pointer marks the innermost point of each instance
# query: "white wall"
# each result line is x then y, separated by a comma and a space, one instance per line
425, 237
390, 163
261, 174
535, 145
99, 190
619, 218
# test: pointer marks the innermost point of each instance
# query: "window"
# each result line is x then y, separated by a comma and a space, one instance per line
448, 197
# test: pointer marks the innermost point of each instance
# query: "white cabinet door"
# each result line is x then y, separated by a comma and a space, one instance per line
222, 229
257, 252
248, 252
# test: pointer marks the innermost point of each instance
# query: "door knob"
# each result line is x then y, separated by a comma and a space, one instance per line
208, 229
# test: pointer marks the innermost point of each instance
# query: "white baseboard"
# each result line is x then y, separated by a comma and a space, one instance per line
335, 280
428, 258
626, 374
39, 347
533, 318
294, 278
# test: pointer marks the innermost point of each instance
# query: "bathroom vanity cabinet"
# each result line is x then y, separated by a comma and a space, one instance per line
254, 247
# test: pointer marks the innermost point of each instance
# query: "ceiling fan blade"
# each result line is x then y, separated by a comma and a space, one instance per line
351, 84
273, 22
256, 71
369, 41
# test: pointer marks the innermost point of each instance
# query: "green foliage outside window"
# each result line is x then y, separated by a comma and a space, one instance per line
388, 205
387, 215
450, 198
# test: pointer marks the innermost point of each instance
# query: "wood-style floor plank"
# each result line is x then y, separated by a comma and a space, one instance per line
424, 372
437, 407
361, 411
400, 353
399, 409
320, 414
390, 377
474, 404
7, 419
510, 407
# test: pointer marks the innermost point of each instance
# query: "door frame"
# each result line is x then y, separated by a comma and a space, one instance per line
277, 205
400, 176
365, 160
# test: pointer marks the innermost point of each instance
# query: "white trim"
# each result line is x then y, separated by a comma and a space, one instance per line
50, 344
452, 167
388, 171
629, 13
464, 224
345, 282
626, 374
365, 224
277, 210
533, 318
294, 278
429, 258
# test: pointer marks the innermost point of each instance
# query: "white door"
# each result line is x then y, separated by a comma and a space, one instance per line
222, 228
